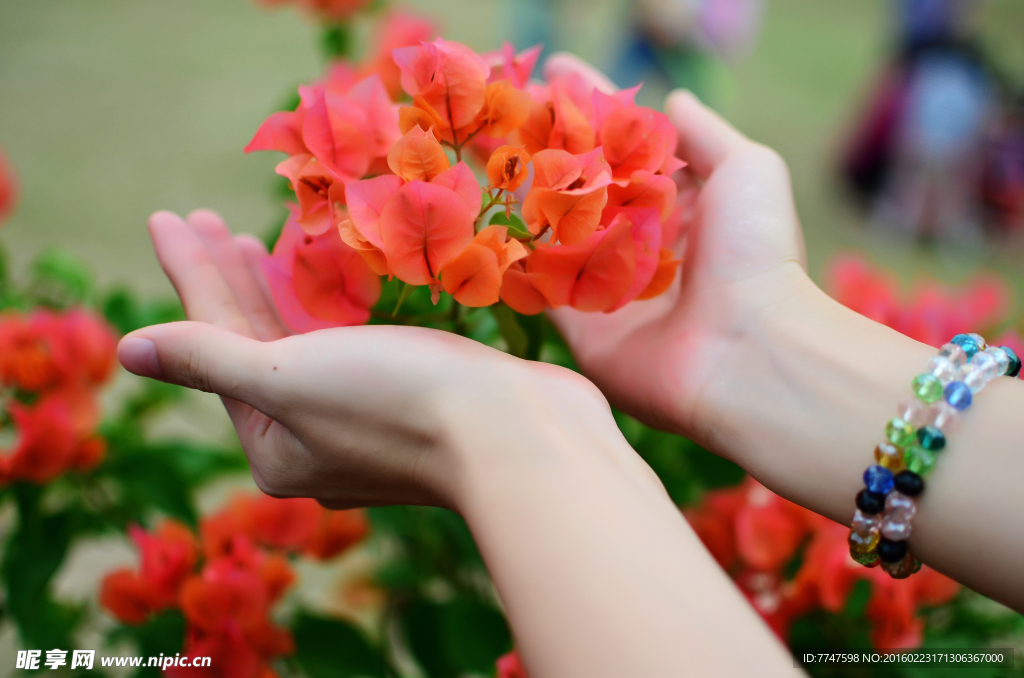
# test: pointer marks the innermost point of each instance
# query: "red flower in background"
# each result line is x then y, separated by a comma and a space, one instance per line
510, 666
56, 362
333, 11
753, 533
244, 571
8, 188
931, 313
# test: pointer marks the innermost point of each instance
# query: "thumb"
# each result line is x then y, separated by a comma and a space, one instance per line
200, 356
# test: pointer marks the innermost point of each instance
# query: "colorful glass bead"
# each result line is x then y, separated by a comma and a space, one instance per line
914, 412
890, 457
927, 387
899, 506
888, 550
968, 344
916, 567
979, 340
1001, 358
931, 438
946, 416
954, 353
900, 432
864, 523
878, 479
862, 543
902, 568
869, 559
943, 369
895, 528
870, 502
958, 395
1014, 369
975, 380
908, 483
919, 460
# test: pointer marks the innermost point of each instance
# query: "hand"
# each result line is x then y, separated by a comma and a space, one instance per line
352, 416
743, 253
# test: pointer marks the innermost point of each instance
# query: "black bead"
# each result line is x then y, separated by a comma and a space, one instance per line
891, 551
1014, 368
909, 483
870, 502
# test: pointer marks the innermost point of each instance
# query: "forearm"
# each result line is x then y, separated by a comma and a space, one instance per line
600, 574
805, 404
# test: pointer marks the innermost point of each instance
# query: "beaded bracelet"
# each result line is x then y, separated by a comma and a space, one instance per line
885, 508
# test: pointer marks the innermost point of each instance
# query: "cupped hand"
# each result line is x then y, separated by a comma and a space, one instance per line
742, 252
353, 416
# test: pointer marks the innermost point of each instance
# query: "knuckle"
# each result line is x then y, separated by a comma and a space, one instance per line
195, 370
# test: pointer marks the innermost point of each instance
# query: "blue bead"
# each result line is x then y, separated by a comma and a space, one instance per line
878, 479
958, 395
1014, 369
965, 342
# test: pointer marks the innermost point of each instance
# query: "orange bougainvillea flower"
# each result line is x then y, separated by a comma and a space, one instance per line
535, 132
91, 345
510, 666
318, 190
126, 596
568, 194
570, 130
319, 281
47, 442
223, 592
417, 156
423, 227
505, 109
167, 558
361, 231
603, 272
336, 532
506, 64
8, 188
396, 29
282, 523
507, 168
519, 294
634, 137
664, 275
645, 189
474, 277
450, 77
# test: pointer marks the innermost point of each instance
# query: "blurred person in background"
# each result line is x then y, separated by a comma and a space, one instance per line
917, 157
1002, 189
678, 43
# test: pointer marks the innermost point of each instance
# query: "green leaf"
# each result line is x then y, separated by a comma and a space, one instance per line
463, 636
405, 289
331, 648
516, 227
60, 280
338, 42
523, 334
164, 633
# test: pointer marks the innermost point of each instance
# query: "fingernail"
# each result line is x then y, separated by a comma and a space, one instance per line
138, 355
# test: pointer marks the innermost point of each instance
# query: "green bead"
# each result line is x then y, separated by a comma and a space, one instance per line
927, 387
919, 460
899, 432
864, 558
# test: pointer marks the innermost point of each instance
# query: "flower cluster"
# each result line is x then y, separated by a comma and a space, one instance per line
8, 188
931, 313
754, 534
244, 571
333, 11
51, 367
588, 175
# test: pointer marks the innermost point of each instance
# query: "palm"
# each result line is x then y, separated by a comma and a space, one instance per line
652, 358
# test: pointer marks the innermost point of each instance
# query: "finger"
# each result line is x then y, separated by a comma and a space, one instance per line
203, 291
705, 139
216, 238
253, 251
207, 358
563, 64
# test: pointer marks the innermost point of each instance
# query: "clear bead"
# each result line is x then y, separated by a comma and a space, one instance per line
914, 412
979, 340
943, 368
1002, 360
946, 416
895, 529
986, 362
955, 354
975, 380
899, 506
865, 525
